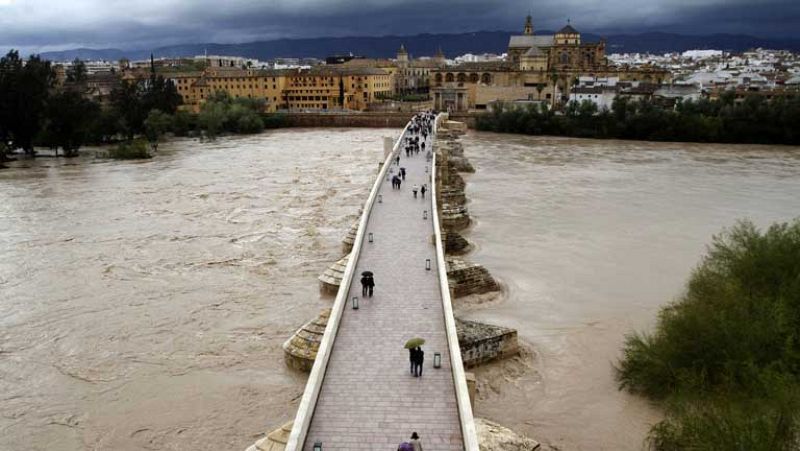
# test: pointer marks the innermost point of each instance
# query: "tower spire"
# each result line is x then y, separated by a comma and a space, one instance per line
528, 25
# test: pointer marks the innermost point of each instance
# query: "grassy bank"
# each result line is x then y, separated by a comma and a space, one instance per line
724, 359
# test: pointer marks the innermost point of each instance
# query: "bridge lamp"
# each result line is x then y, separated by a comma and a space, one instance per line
370, 237
318, 446
437, 360
424, 214
355, 307
428, 264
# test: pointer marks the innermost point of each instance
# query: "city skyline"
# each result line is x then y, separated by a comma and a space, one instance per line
45, 25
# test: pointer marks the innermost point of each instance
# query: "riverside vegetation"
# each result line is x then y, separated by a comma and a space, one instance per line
35, 112
724, 358
753, 120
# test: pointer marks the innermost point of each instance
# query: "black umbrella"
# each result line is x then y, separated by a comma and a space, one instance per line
367, 273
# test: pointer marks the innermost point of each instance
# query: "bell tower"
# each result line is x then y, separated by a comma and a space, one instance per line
528, 26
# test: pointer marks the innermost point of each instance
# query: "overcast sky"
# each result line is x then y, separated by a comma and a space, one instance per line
42, 25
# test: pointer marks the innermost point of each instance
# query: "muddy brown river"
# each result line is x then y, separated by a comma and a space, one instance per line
143, 304
590, 238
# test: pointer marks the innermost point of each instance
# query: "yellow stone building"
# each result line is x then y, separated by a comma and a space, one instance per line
319, 88
408, 75
336, 87
537, 68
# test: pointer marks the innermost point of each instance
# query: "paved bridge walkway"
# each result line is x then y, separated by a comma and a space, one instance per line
368, 399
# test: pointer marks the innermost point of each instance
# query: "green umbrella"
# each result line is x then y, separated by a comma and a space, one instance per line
415, 343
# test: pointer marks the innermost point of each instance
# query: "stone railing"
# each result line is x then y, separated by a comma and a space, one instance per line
305, 410
468, 431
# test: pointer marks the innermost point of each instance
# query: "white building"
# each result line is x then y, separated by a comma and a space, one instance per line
602, 96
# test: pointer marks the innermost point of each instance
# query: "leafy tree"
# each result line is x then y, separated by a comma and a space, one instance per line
24, 90
182, 123
212, 118
725, 358
237, 115
69, 121
161, 94
126, 102
77, 72
155, 125
133, 100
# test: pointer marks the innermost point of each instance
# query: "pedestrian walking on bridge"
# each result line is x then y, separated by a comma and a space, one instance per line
403, 173
418, 361
414, 189
422, 191
415, 442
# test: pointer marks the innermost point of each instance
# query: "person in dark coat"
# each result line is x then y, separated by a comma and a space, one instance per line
370, 284
412, 358
364, 285
403, 173
420, 359
422, 191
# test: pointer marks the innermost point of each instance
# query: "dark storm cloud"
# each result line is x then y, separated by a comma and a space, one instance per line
36, 25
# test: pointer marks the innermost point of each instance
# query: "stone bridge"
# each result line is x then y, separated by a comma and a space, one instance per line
360, 394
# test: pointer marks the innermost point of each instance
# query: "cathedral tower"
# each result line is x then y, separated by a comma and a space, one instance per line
528, 26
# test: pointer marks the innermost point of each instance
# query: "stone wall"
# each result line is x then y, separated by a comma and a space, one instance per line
331, 278
351, 119
468, 278
481, 343
300, 350
379, 119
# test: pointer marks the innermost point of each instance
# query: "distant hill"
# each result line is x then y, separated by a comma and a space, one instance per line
427, 44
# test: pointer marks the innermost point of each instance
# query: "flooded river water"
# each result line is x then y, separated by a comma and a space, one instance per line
590, 238
143, 304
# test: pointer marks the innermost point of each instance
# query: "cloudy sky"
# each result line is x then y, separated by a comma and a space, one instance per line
42, 25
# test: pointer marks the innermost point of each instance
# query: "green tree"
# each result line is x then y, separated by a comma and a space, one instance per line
212, 118
68, 123
77, 72
24, 90
155, 125
725, 357
126, 102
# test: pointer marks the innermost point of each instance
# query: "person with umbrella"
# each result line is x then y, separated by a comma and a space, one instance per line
415, 355
367, 283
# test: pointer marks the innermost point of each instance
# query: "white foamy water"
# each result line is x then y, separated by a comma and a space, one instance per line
591, 238
143, 304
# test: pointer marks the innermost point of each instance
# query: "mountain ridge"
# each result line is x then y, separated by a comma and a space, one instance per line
426, 44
